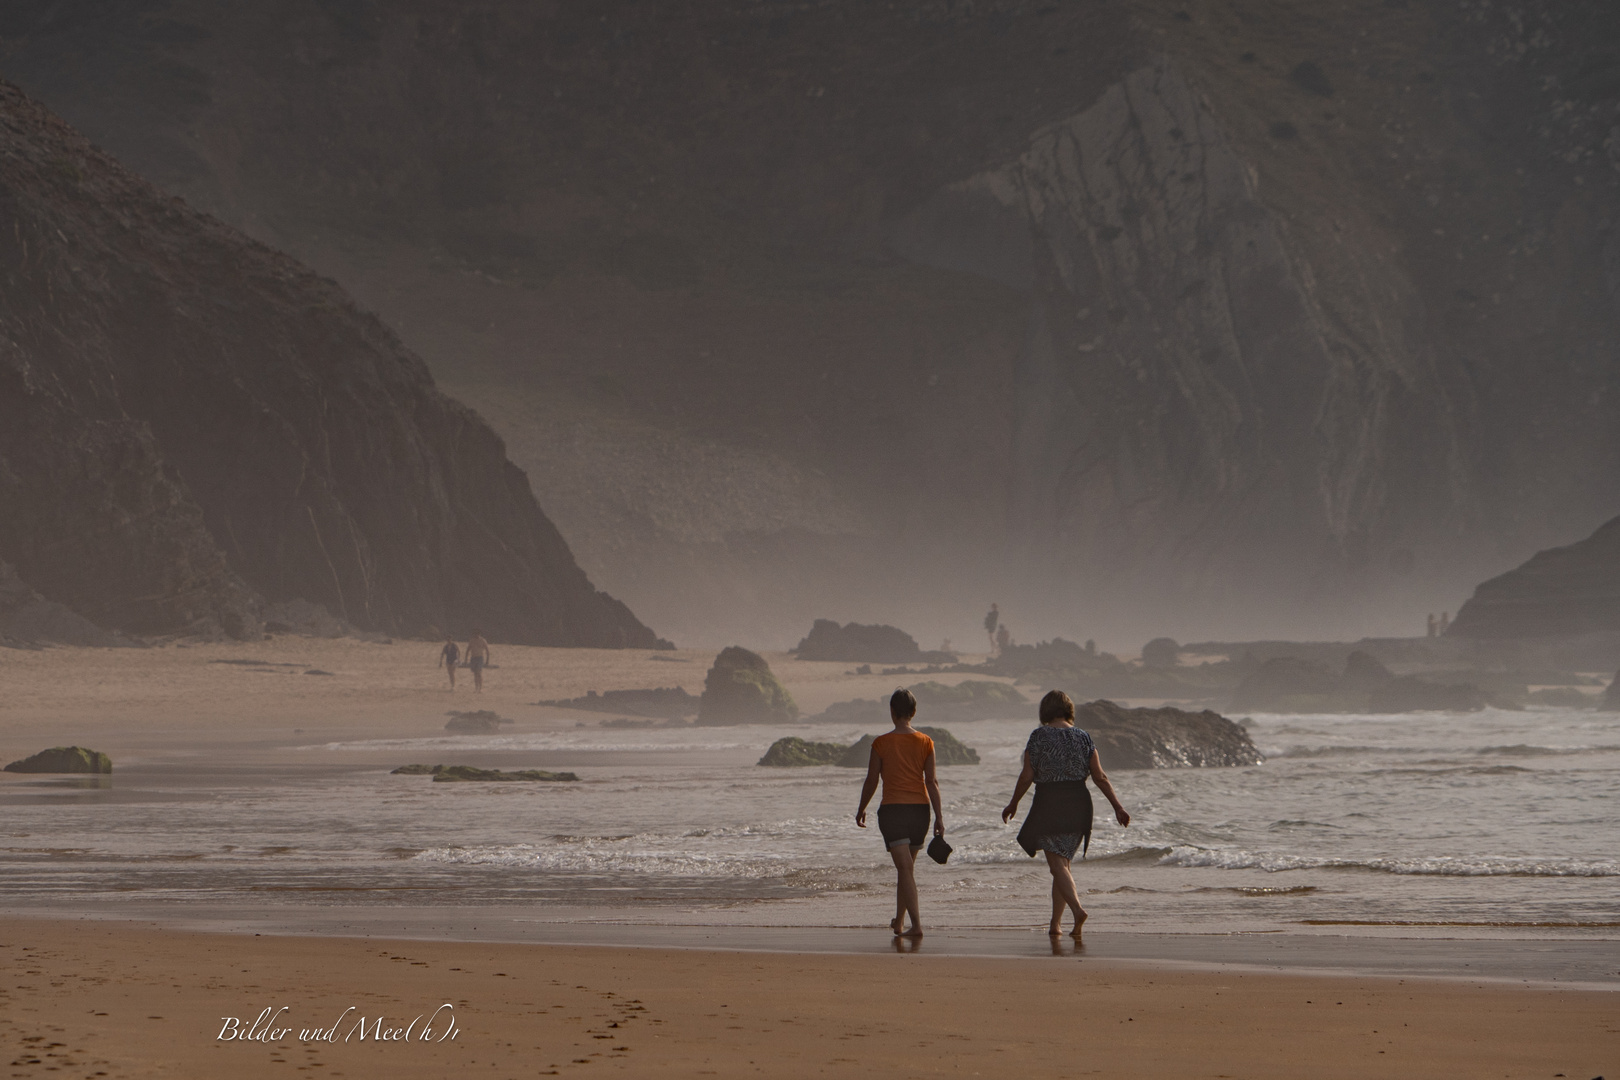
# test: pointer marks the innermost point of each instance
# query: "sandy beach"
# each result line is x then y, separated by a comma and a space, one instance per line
127, 1000
187, 929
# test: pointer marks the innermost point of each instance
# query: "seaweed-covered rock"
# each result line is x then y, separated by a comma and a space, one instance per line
665, 702
451, 773
1164, 738
740, 689
475, 722
63, 759
857, 642
794, 751
948, 750
971, 699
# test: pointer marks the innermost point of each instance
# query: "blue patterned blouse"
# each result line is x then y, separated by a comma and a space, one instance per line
1059, 753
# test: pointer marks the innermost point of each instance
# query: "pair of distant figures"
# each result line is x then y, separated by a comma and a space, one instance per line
1000, 636
477, 659
1438, 627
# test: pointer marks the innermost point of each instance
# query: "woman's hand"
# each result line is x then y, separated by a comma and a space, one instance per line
1122, 815
939, 828
1008, 811
860, 817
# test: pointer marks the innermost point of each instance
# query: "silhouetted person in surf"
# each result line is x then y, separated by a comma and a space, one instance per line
477, 659
991, 621
449, 657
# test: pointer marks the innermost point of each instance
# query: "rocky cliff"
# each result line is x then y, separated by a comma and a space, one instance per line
1562, 592
192, 424
1122, 307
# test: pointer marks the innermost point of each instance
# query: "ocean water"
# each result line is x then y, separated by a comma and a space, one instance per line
1496, 823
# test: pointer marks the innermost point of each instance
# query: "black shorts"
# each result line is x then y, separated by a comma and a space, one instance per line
904, 823
476, 663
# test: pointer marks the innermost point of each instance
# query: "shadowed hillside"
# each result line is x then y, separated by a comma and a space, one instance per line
1118, 311
192, 424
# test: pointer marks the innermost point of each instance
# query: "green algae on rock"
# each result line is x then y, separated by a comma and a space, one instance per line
63, 759
793, 751
740, 689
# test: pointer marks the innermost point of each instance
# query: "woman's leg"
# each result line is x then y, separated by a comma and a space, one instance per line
1063, 893
905, 889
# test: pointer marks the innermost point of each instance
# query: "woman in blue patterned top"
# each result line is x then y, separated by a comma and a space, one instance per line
1057, 760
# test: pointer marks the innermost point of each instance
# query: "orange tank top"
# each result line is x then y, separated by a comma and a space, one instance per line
902, 754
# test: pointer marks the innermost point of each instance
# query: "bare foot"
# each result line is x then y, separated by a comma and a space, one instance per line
1079, 923
914, 932
1055, 930
896, 925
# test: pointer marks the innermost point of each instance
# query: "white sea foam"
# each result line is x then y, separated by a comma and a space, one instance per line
1437, 866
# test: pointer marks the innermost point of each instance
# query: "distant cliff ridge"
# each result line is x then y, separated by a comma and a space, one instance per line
1561, 592
1219, 320
192, 424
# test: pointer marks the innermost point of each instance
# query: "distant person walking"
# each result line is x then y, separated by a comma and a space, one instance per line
991, 621
904, 760
1057, 759
449, 657
1432, 624
477, 659
1445, 622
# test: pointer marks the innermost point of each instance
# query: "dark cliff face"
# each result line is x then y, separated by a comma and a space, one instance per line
191, 423
1143, 305
1562, 592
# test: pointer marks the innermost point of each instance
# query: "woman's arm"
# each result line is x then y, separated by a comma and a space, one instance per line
874, 768
932, 784
1025, 778
1107, 789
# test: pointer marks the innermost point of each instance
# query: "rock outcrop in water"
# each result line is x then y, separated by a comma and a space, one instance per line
475, 721
1164, 738
63, 759
1290, 684
192, 424
1561, 592
858, 643
970, 699
664, 702
453, 773
741, 689
793, 751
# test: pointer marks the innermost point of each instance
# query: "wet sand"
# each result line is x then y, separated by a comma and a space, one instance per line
178, 693
126, 1000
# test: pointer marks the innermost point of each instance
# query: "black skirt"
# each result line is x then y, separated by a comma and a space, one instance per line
1061, 808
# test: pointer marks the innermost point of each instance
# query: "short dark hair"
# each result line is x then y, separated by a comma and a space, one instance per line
1055, 706
902, 703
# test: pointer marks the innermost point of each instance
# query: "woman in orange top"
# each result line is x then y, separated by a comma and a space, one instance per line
904, 760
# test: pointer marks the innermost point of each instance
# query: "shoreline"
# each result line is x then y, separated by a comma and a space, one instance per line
130, 1000
1590, 964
